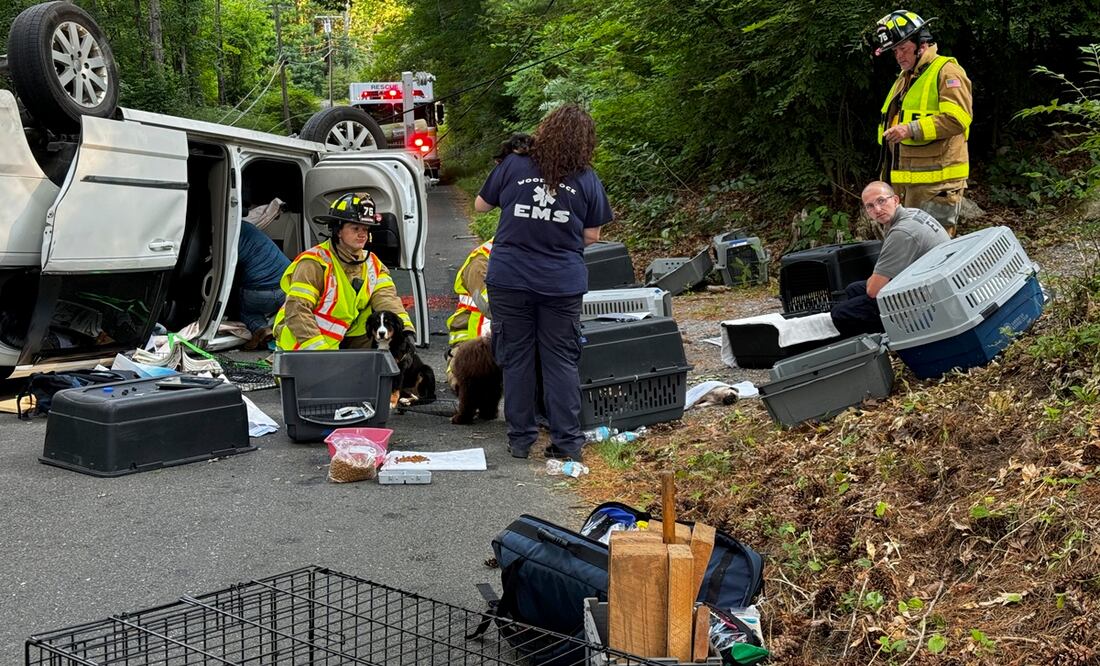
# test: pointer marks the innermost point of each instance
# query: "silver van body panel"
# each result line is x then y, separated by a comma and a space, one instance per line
123, 204
243, 138
25, 192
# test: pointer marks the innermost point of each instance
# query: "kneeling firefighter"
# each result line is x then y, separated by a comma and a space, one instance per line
333, 287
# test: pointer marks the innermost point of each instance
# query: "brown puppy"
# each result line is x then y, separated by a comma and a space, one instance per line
477, 379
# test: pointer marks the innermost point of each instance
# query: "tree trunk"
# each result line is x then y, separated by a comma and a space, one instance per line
140, 32
155, 33
183, 73
219, 47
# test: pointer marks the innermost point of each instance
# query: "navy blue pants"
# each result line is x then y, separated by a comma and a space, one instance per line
859, 314
529, 328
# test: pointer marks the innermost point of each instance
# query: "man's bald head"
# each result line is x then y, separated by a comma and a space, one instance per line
878, 188
880, 201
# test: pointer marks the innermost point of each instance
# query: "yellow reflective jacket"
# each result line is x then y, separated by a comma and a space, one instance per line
469, 321
935, 100
322, 306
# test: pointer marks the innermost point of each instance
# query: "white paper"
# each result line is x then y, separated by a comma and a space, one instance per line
465, 460
259, 423
717, 342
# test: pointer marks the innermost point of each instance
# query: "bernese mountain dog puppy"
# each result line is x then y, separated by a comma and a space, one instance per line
416, 382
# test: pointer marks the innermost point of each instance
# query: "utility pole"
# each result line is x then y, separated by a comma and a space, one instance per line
326, 23
282, 67
407, 106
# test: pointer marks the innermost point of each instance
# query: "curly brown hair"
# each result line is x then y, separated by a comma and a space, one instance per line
564, 143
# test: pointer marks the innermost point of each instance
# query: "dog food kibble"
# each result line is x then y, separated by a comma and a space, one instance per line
345, 469
412, 459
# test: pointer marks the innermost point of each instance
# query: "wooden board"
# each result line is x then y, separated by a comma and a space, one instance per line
702, 545
9, 407
637, 596
700, 644
683, 532
681, 602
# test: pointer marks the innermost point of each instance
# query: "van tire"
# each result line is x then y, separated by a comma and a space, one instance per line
31, 41
344, 129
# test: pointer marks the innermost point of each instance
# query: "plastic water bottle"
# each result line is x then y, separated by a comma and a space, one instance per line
600, 434
629, 436
571, 468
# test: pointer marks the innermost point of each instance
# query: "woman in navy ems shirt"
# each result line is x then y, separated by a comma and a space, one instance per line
552, 205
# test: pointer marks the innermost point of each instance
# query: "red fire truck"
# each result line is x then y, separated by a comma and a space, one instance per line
384, 101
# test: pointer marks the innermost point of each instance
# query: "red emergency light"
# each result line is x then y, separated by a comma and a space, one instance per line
422, 143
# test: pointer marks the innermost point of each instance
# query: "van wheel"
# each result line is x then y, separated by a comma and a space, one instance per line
61, 65
344, 129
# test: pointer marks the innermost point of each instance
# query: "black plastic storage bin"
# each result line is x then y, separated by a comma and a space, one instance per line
314, 384
609, 266
144, 424
633, 373
756, 345
813, 280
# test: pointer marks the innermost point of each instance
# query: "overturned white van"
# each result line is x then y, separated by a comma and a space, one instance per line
119, 223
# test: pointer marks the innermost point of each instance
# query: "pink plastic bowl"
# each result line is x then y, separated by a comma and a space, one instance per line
380, 436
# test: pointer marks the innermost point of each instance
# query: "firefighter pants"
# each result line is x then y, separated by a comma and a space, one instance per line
858, 314
530, 329
940, 200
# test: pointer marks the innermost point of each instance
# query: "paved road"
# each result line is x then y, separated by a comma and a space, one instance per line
77, 548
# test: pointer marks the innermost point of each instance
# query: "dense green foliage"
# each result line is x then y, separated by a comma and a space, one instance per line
697, 94
695, 101
185, 79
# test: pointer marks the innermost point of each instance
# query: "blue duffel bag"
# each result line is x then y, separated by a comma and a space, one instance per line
547, 571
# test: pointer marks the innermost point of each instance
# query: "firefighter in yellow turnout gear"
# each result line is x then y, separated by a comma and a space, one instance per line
333, 287
925, 120
471, 319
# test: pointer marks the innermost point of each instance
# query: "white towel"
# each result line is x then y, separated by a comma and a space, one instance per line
791, 331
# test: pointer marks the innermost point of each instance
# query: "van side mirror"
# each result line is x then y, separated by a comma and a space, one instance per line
439, 113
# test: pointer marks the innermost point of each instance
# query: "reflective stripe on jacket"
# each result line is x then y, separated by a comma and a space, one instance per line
937, 105
338, 310
468, 321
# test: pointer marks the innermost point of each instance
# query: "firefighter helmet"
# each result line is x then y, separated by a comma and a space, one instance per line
350, 208
897, 27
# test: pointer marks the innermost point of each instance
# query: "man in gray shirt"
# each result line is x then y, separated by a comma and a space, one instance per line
909, 234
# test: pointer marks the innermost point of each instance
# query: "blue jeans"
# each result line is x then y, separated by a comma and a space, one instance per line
525, 323
258, 306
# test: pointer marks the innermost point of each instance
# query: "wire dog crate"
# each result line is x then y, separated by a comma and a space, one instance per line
311, 616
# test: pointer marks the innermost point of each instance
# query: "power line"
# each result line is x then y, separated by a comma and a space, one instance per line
489, 83
247, 95
499, 76
258, 97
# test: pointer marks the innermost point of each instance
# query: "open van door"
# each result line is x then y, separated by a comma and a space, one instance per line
122, 205
110, 239
395, 181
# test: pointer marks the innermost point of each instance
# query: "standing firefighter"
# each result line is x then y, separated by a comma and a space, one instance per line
925, 120
333, 287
